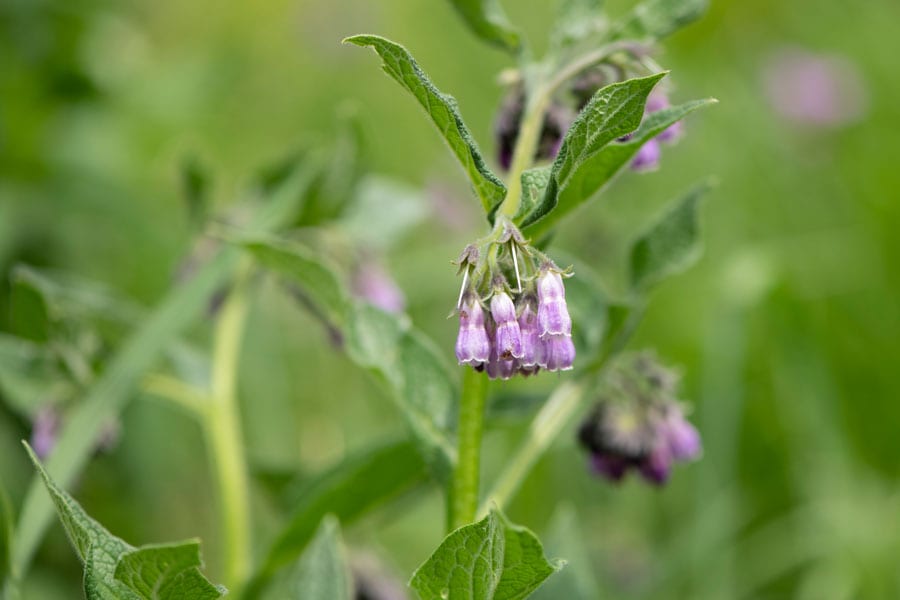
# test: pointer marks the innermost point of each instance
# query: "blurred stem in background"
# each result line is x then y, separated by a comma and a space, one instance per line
223, 433
463, 495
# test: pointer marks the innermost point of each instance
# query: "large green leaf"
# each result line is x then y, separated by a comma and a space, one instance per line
577, 581
575, 21
599, 168
486, 18
322, 573
443, 111
652, 20
114, 570
671, 244
488, 560
348, 490
614, 111
111, 391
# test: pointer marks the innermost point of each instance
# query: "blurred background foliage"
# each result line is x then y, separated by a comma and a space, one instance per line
787, 330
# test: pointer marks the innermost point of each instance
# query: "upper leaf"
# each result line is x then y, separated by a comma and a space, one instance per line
670, 245
486, 18
576, 20
322, 573
115, 570
654, 19
613, 112
442, 108
599, 168
487, 560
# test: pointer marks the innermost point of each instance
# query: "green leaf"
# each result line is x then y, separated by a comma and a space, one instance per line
111, 391
534, 186
114, 570
575, 21
6, 535
349, 489
384, 210
600, 167
487, 560
410, 366
166, 572
301, 265
487, 20
322, 573
670, 245
652, 20
443, 111
195, 185
30, 376
613, 112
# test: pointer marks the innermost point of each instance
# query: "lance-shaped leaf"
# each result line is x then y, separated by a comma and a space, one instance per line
614, 111
114, 570
443, 111
671, 244
349, 489
599, 168
652, 20
488, 560
322, 573
487, 20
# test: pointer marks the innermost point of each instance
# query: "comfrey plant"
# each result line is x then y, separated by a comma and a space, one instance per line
590, 109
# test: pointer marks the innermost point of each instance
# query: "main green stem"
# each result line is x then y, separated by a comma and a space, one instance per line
463, 497
224, 438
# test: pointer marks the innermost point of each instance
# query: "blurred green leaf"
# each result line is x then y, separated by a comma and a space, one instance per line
670, 245
166, 572
411, 367
115, 570
30, 376
347, 490
111, 391
7, 525
195, 183
305, 267
652, 20
601, 166
487, 560
442, 108
322, 573
577, 581
613, 112
487, 20
575, 20
384, 210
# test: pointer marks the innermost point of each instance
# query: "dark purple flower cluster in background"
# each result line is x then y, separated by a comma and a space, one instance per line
525, 329
638, 423
647, 158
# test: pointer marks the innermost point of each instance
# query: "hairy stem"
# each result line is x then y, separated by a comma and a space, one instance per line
463, 493
559, 409
224, 438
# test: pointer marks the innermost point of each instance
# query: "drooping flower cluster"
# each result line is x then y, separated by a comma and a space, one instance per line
526, 327
638, 423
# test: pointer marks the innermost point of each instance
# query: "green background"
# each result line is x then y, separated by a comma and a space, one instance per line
787, 330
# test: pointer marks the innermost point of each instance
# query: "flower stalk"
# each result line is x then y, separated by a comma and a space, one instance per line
463, 496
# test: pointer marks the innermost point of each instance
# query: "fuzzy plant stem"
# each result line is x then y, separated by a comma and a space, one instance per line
224, 438
463, 496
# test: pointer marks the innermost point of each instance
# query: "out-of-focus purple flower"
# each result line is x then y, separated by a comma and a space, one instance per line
656, 466
558, 352
647, 158
507, 337
656, 102
814, 89
44, 430
472, 344
610, 466
531, 338
553, 314
682, 438
374, 285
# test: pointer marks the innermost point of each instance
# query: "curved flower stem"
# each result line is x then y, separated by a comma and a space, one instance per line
462, 498
559, 409
223, 434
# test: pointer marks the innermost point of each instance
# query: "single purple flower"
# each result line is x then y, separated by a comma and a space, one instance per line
647, 158
44, 431
473, 346
559, 352
682, 438
553, 314
374, 285
610, 466
507, 337
499, 368
531, 338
